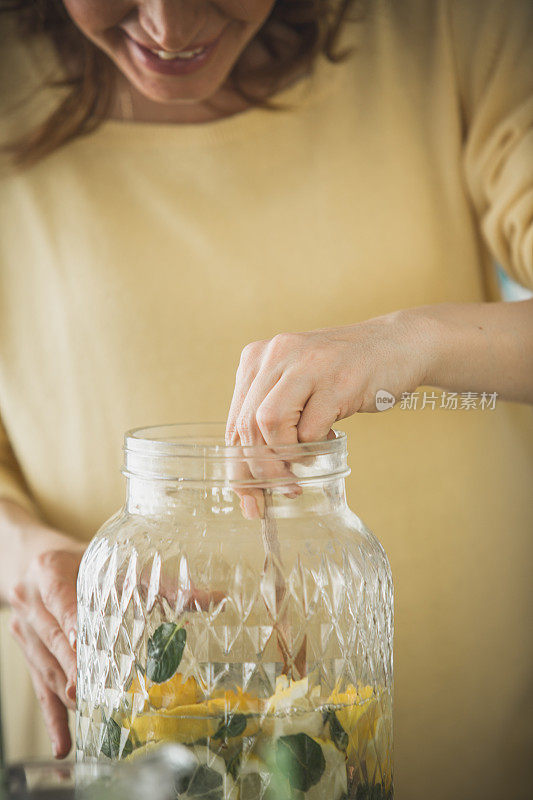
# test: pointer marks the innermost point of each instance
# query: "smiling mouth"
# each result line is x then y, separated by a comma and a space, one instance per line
171, 62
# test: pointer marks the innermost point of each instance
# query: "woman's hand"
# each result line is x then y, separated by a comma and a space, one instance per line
44, 618
294, 387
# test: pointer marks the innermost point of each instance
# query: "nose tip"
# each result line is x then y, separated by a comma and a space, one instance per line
167, 41
168, 26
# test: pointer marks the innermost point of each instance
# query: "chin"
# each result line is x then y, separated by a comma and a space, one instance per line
189, 92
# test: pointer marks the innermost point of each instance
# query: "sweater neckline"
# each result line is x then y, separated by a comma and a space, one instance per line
307, 91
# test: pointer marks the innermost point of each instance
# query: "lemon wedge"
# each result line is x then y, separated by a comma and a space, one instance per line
174, 692
291, 709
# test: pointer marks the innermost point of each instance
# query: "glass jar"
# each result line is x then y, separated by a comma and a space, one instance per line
235, 605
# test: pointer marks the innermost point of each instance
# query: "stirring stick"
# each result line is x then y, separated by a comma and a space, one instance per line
269, 534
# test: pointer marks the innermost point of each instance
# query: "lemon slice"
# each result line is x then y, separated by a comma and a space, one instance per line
183, 724
290, 695
290, 710
174, 692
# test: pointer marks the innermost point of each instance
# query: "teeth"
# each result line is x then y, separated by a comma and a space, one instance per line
166, 55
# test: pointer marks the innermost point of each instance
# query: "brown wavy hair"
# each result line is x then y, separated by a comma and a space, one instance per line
86, 104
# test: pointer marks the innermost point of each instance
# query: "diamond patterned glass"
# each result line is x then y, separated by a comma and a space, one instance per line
259, 639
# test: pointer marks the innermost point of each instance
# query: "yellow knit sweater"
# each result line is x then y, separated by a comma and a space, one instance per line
136, 262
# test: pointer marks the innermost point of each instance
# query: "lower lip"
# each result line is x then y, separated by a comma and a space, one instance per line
175, 66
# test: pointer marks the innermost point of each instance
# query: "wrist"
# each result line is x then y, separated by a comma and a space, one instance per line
437, 342
424, 342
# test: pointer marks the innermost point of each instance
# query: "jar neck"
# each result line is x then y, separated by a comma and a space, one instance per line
153, 497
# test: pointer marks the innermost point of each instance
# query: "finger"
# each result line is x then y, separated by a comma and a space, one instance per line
247, 423
319, 414
46, 627
270, 415
55, 715
56, 578
249, 364
41, 659
250, 498
278, 415
27, 601
269, 470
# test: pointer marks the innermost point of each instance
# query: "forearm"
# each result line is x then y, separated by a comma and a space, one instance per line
480, 347
22, 538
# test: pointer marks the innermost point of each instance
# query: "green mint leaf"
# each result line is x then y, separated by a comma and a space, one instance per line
165, 649
234, 765
301, 760
235, 725
206, 783
128, 748
111, 741
339, 737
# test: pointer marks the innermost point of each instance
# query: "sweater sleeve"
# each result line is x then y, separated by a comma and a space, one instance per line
12, 484
493, 42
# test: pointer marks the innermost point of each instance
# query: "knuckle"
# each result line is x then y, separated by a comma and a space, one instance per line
55, 640
51, 590
42, 697
283, 342
267, 418
49, 675
18, 594
47, 560
306, 433
250, 352
15, 627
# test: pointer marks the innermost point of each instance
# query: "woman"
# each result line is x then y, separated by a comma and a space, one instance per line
160, 215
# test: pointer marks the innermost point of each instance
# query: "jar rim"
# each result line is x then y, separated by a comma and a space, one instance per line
196, 454
206, 440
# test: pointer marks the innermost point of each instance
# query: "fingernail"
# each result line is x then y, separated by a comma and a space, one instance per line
70, 691
72, 637
55, 749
